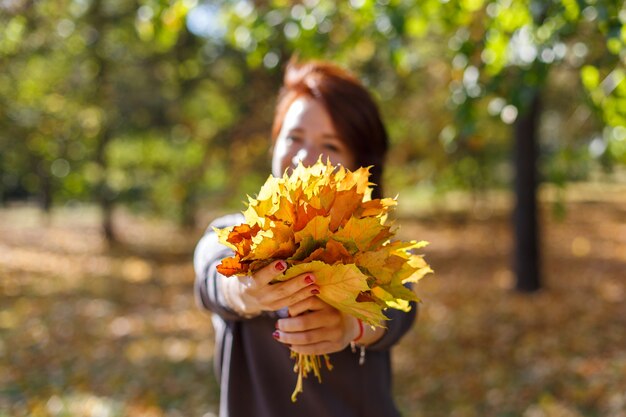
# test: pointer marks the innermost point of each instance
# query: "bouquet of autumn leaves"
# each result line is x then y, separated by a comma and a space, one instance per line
321, 219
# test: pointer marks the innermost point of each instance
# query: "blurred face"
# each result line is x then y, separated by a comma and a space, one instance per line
306, 133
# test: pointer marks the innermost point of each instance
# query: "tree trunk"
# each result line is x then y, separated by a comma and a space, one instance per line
527, 260
106, 206
188, 206
45, 195
102, 98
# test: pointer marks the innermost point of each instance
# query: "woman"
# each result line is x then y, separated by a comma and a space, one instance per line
321, 110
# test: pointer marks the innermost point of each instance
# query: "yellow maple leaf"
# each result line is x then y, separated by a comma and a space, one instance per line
317, 228
285, 211
421, 268
340, 285
393, 298
326, 197
374, 263
376, 207
275, 243
252, 217
358, 178
222, 236
360, 231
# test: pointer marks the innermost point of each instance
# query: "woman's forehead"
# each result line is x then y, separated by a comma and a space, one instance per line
307, 111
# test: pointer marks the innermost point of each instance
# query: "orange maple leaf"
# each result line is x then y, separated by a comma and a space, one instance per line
344, 205
334, 252
231, 266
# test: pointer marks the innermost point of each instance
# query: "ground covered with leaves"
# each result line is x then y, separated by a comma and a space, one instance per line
92, 330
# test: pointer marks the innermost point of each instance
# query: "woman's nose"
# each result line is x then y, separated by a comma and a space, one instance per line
299, 156
305, 156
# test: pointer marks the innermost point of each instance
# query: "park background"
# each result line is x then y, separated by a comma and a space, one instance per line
125, 126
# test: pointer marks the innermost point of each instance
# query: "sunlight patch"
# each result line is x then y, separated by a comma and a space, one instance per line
87, 405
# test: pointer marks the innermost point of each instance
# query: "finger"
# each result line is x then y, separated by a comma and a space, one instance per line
309, 321
310, 303
283, 294
267, 274
309, 337
272, 298
286, 288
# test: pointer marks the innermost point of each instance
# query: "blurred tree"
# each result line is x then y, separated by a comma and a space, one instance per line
499, 58
117, 102
512, 55
150, 103
36, 138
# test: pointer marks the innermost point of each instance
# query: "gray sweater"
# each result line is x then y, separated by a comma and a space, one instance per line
256, 373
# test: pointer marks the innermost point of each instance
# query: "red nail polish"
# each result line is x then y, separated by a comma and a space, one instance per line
276, 335
280, 266
309, 279
315, 291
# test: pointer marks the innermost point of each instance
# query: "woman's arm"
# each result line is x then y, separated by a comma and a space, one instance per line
398, 324
209, 285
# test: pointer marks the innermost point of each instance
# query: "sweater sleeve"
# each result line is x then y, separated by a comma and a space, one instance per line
398, 325
208, 254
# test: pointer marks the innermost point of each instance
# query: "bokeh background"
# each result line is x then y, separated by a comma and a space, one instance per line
125, 126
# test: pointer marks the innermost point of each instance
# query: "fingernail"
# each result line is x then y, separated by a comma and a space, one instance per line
276, 335
309, 279
280, 266
315, 291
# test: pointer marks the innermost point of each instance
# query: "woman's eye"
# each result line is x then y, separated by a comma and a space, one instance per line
293, 139
331, 147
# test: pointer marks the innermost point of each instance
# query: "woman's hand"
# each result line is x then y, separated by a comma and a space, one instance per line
316, 328
253, 294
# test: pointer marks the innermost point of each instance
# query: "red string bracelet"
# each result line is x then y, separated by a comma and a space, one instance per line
356, 339
353, 343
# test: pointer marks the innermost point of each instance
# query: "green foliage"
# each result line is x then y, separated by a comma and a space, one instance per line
166, 104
